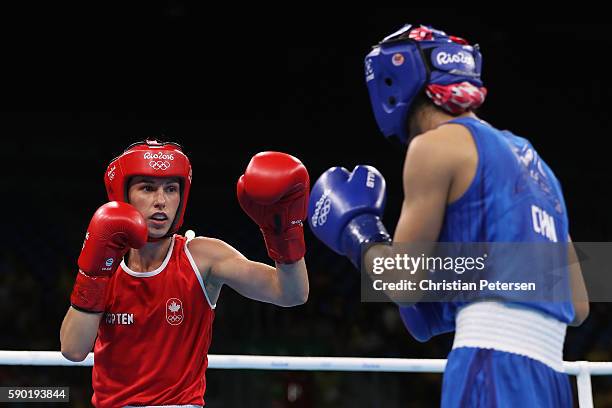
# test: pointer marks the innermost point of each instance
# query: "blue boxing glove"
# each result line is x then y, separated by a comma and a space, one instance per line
345, 210
425, 320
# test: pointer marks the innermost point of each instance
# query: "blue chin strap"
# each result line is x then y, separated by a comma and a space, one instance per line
403, 64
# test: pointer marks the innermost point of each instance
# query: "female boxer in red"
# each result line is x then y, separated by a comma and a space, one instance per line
146, 295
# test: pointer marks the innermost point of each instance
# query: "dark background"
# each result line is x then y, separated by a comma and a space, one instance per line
227, 87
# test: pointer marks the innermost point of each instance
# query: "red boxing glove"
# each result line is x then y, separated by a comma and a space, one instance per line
273, 191
114, 229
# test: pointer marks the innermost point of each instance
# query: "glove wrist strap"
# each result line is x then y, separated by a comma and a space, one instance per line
286, 247
89, 293
361, 230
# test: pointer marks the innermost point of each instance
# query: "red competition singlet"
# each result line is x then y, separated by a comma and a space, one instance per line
153, 339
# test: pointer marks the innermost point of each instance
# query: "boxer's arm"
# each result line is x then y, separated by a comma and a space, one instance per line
580, 298
427, 176
428, 173
220, 264
114, 228
78, 333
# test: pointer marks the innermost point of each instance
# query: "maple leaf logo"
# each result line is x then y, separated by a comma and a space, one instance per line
174, 307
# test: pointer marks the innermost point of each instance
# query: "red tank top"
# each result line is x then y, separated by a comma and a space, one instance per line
153, 339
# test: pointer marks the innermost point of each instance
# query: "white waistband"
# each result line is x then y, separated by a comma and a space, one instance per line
511, 328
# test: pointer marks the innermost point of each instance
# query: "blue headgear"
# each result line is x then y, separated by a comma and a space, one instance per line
405, 62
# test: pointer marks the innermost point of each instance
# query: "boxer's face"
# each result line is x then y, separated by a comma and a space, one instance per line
157, 199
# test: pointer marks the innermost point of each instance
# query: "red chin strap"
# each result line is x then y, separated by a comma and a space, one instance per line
456, 98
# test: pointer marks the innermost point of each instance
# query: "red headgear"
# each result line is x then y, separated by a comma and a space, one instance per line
150, 158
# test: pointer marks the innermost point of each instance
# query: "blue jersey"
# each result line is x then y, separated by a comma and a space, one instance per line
514, 197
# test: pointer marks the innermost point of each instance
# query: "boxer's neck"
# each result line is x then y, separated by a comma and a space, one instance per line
149, 257
428, 117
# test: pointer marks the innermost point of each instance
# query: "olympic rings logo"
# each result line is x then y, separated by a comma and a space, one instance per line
159, 165
322, 209
175, 318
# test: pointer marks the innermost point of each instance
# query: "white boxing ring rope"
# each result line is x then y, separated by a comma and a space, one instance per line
582, 369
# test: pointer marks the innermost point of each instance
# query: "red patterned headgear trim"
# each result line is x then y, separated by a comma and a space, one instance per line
456, 98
